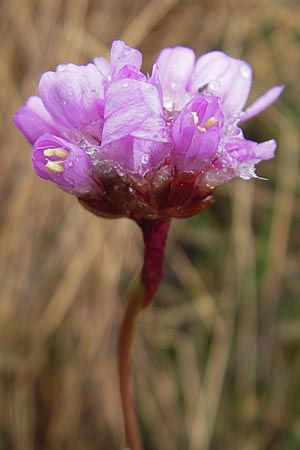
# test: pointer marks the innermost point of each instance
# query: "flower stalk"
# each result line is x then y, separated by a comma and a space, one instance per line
155, 235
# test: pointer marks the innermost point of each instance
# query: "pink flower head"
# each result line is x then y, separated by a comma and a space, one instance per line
145, 147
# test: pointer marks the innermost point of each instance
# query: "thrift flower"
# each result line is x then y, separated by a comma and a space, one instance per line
145, 147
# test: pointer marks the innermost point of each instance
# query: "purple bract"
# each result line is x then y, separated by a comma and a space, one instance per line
145, 147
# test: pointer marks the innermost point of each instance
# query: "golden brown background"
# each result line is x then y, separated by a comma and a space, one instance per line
217, 357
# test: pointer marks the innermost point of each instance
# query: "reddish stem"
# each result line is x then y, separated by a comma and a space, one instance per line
155, 235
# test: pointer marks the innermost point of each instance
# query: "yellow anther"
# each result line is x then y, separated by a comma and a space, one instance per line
59, 152
195, 117
201, 129
49, 152
210, 122
55, 166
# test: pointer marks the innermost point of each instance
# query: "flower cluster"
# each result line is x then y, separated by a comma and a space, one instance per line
145, 147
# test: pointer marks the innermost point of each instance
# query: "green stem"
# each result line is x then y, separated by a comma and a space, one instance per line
155, 235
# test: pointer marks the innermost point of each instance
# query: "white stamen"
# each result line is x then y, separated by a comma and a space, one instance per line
201, 129
195, 117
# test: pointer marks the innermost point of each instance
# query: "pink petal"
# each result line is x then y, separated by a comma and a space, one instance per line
208, 68
74, 96
175, 66
121, 55
226, 77
261, 103
102, 65
34, 120
133, 108
243, 150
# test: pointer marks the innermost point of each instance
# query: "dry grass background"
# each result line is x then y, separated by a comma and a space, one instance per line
217, 357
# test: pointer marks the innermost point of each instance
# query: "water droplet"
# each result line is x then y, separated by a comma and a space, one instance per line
125, 84
126, 51
245, 71
71, 164
61, 68
145, 159
237, 132
90, 150
168, 103
210, 185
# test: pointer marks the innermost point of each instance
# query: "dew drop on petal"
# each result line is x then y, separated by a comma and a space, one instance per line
245, 71
61, 68
168, 103
125, 84
145, 159
210, 185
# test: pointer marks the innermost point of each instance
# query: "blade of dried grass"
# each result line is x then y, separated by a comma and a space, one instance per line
195, 409
190, 278
147, 19
284, 200
247, 312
